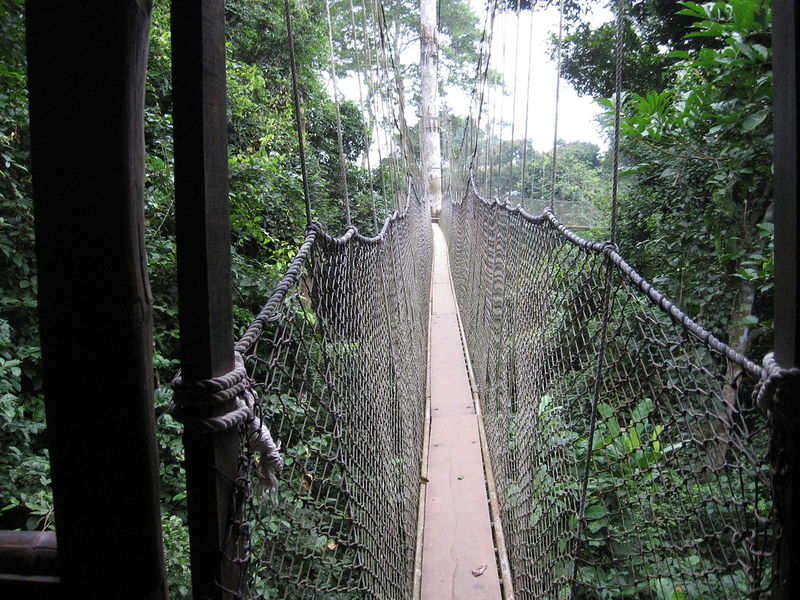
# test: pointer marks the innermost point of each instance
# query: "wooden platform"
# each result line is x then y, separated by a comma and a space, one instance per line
458, 553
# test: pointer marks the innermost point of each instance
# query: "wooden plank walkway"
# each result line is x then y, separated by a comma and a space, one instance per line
457, 536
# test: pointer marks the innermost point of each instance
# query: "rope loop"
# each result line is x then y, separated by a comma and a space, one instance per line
237, 386
210, 392
778, 391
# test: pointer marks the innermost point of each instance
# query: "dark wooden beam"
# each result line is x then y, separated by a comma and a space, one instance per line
785, 452
29, 566
86, 67
787, 284
204, 271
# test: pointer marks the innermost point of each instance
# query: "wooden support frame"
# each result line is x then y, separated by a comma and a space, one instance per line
86, 69
785, 450
204, 273
29, 565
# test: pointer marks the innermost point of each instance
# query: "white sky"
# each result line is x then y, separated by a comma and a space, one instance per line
514, 41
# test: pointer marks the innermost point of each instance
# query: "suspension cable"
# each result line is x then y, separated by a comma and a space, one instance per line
486, 56
476, 100
363, 106
514, 102
607, 293
398, 116
619, 55
388, 112
339, 141
501, 128
553, 173
373, 102
298, 113
527, 112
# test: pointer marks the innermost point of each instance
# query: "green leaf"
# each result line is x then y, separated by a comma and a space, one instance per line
749, 321
664, 588
595, 511
682, 54
754, 120
596, 525
605, 410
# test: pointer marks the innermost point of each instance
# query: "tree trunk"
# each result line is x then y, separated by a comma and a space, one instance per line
430, 143
739, 340
400, 183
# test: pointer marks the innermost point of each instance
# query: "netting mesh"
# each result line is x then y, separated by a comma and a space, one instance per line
338, 356
628, 455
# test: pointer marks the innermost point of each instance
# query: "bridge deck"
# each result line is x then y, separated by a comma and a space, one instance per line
458, 553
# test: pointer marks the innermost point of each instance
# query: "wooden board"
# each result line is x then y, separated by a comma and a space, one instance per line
457, 533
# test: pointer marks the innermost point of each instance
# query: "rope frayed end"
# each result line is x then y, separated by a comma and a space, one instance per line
270, 461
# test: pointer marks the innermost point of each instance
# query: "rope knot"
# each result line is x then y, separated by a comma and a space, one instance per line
193, 397
609, 247
778, 390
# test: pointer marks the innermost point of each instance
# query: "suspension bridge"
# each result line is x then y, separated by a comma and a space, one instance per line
487, 407
575, 435
615, 432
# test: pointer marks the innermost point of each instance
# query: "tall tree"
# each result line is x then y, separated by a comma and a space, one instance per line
430, 140
698, 202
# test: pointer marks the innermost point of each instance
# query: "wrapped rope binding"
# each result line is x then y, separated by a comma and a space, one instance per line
192, 396
778, 389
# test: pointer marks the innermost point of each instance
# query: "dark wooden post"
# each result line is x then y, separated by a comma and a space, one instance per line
204, 271
786, 445
86, 67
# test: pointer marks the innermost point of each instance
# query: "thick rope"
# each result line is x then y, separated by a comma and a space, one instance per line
269, 312
778, 387
670, 308
234, 386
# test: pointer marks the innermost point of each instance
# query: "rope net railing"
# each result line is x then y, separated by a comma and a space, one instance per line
330, 380
629, 458
337, 358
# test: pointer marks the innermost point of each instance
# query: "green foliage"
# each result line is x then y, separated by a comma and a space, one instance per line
583, 175
588, 60
458, 42
25, 499
176, 553
630, 466
651, 29
267, 216
266, 194
696, 203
